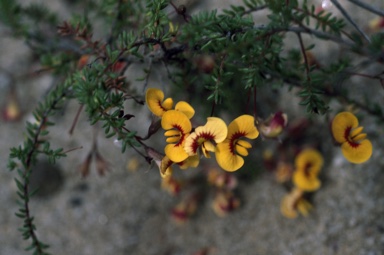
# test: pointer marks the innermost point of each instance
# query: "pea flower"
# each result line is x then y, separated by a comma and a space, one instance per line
171, 185
294, 203
354, 145
222, 180
376, 24
225, 202
178, 128
158, 106
215, 130
229, 153
307, 167
273, 126
165, 166
185, 209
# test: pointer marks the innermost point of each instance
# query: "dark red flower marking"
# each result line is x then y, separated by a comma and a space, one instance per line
233, 139
348, 138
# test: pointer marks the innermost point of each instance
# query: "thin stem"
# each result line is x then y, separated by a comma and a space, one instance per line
76, 119
148, 74
346, 15
27, 166
254, 101
258, 8
304, 56
368, 7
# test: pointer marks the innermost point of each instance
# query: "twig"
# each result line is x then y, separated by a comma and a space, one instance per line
76, 119
148, 74
304, 56
346, 15
258, 8
368, 7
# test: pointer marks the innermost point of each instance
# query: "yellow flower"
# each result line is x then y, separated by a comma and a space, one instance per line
185, 108
354, 145
308, 164
293, 203
154, 99
191, 161
309, 159
229, 152
158, 106
214, 130
178, 128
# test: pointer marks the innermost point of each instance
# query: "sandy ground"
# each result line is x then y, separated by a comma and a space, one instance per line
127, 212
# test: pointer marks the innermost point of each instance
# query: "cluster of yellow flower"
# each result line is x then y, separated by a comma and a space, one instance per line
184, 143
308, 164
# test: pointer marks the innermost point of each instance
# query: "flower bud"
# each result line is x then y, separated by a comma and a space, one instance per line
205, 63
11, 110
273, 126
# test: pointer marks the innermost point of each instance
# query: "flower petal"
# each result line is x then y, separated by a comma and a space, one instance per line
154, 98
192, 161
214, 130
226, 159
341, 123
174, 139
191, 144
309, 160
359, 137
175, 152
185, 108
303, 206
165, 167
356, 131
241, 150
304, 182
172, 133
167, 104
357, 152
244, 144
178, 120
244, 125
217, 128
287, 207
